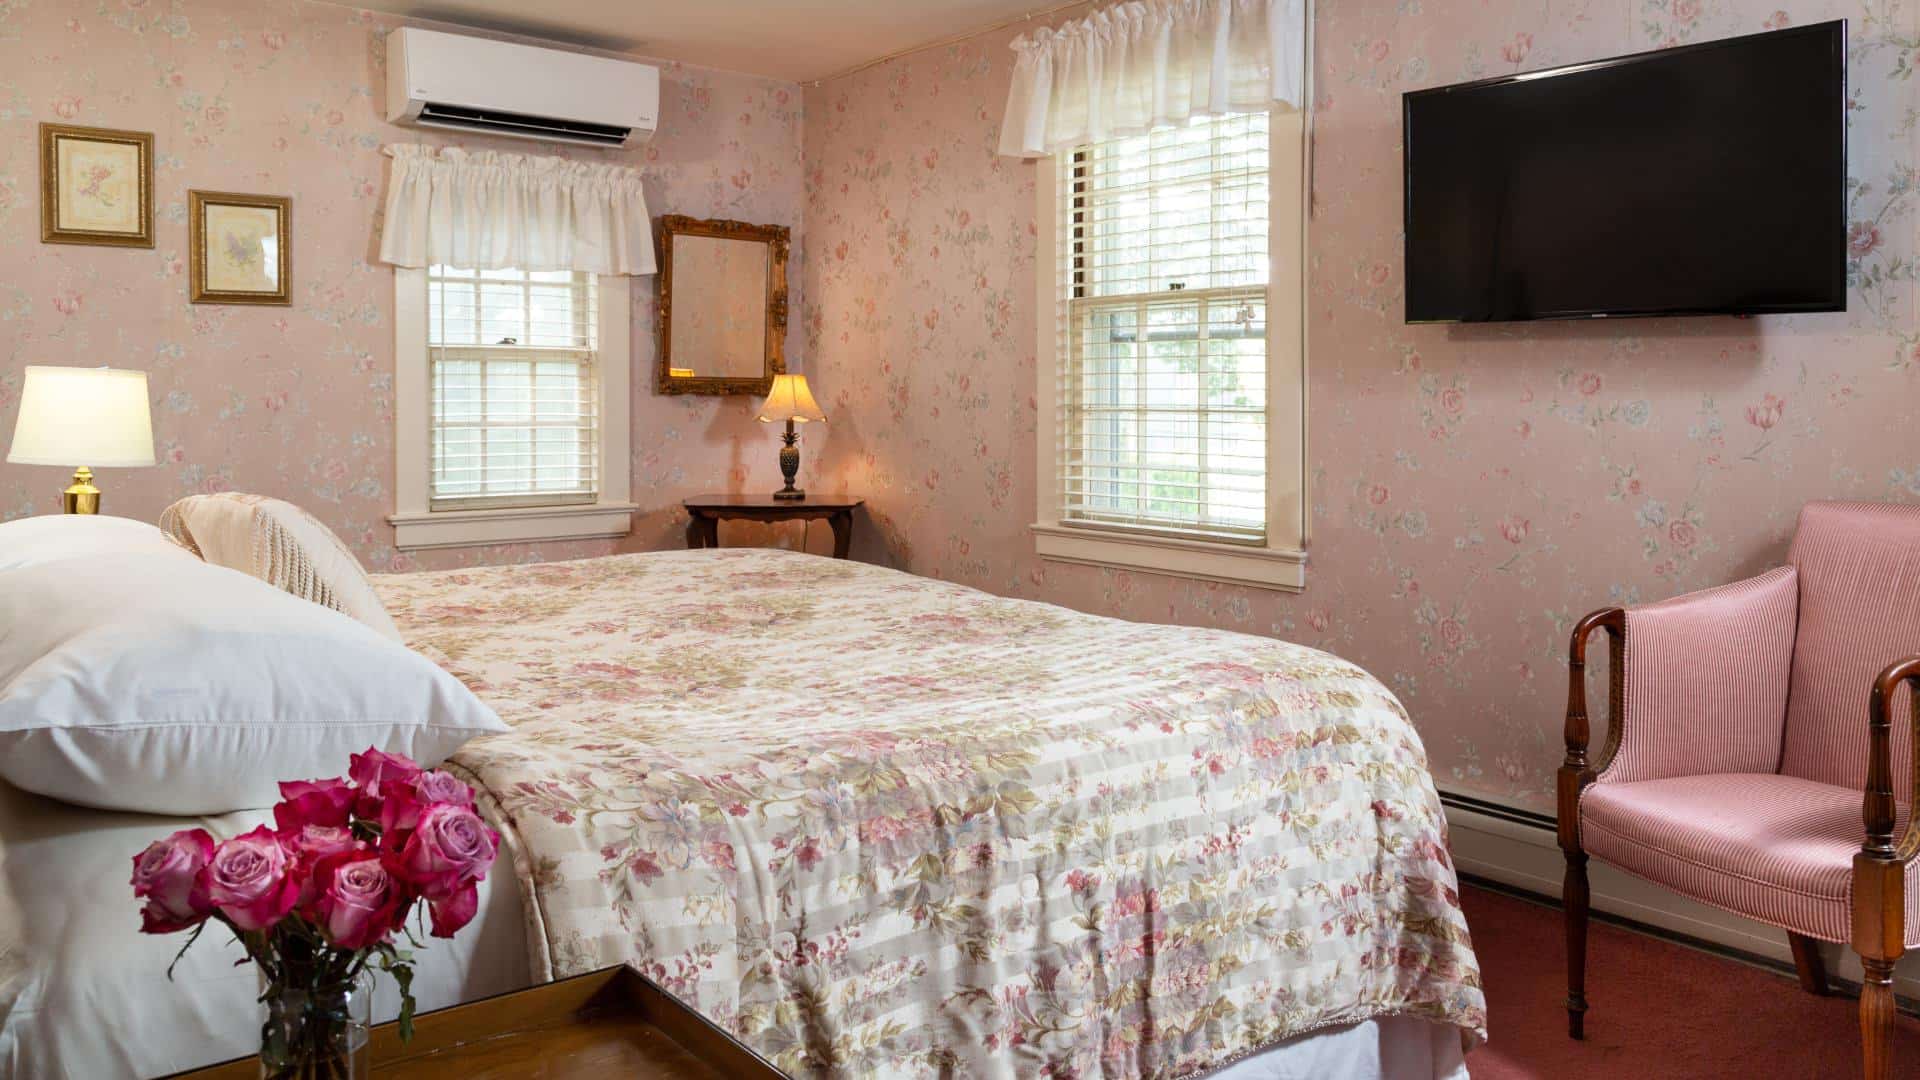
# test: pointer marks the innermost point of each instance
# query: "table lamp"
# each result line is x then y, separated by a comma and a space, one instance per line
790, 400
69, 415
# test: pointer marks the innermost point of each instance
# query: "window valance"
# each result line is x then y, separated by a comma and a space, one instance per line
485, 210
1140, 65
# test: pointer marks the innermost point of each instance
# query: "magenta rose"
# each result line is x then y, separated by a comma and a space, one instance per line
311, 843
451, 848
439, 786
455, 911
250, 880
313, 802
379, 775
357, 901
403, 804
308, 845
168, 877
374, 769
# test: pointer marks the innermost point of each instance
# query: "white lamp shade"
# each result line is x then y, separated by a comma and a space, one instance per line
83, 416
790, 400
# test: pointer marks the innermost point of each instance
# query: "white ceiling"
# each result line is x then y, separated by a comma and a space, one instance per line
787, 39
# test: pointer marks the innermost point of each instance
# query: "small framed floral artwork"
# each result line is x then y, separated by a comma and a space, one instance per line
240, 248
96, 186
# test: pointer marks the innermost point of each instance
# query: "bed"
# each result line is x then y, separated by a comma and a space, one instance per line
874, 824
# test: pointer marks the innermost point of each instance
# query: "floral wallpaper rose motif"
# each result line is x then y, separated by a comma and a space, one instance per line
288, 98
1474, 490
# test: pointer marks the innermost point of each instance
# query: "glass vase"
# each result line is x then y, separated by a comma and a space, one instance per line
318, 1031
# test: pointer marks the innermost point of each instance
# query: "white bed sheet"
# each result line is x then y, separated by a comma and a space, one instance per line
1389, 1048
84, 994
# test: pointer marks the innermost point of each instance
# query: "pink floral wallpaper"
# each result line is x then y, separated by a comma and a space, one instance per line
287, 98
1474, 490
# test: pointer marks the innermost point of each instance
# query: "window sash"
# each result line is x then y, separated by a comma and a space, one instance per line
513, 378
1165, 431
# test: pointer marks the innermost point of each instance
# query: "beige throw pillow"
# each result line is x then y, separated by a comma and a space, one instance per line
280, 544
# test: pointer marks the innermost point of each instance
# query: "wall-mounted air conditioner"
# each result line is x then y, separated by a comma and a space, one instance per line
497, 87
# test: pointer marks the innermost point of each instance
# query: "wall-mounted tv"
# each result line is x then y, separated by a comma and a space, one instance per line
1701, 180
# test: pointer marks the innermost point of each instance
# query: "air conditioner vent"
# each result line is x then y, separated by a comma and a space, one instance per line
483, 86
457, 116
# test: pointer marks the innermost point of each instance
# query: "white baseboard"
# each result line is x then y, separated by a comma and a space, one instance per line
1527, 856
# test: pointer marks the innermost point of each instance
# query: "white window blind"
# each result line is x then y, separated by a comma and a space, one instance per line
514, 384
1163, 377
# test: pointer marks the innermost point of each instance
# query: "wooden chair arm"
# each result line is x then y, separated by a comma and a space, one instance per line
1578, 771
1878, 810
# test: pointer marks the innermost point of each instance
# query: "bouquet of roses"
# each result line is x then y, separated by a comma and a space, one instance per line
321, 895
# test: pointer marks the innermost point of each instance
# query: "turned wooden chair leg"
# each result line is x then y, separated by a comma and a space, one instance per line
1574, 896
1806, 959
1876, 1018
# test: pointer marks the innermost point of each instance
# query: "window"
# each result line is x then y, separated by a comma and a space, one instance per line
512, 360
1173, 436
511, 406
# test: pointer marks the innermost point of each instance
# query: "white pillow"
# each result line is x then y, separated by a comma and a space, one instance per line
280, 544
164, 684
31, 540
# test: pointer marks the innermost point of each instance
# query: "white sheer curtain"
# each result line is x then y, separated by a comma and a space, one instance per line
484, 210
1136, 66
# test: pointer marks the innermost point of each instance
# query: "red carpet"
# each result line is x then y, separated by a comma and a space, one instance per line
1655, 1009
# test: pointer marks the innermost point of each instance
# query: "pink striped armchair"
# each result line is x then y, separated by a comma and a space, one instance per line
1751, 739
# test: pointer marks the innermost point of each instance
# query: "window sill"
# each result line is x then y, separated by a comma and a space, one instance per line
415, 531
1264, 568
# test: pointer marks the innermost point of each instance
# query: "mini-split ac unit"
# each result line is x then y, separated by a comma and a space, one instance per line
497, 87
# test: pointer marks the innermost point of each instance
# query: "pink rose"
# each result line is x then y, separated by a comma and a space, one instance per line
313, 802
1767, 413
310, 843
1515, 529
168, 877
1452, 632
1862, 238
1453, 400
400, 811
449, 849
1683, 534
440, 786
1589, 384
248, 880
357, 901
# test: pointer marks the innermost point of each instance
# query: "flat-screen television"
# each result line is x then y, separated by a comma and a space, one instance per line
1706, 179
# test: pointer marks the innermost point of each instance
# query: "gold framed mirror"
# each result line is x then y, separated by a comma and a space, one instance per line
723, 306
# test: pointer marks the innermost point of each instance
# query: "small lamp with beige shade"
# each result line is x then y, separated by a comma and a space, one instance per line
790, 400
70, 416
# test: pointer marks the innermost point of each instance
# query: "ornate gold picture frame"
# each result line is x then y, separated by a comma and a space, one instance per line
240, 248
721, 282
96, 186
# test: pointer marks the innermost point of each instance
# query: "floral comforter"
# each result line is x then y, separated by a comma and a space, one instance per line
876, 824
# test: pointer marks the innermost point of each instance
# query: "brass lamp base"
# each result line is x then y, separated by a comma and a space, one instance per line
82, 497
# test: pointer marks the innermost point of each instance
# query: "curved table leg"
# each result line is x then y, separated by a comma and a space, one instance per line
842, 522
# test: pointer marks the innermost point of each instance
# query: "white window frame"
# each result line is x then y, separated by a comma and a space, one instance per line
418, 527
1281, 563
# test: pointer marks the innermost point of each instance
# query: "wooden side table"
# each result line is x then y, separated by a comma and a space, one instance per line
608, 1023
705, 512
